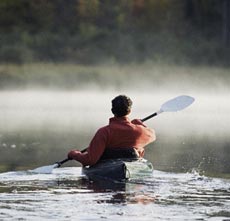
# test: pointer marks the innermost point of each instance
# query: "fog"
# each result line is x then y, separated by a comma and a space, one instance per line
42, 126
208, 115
48, 109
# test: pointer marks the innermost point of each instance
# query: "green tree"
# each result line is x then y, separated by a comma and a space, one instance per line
226, 22
25, 15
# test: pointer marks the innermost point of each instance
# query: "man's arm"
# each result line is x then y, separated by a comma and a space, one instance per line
94, 151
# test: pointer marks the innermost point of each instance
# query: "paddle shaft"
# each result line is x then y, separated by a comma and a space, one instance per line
61, 162
149, 117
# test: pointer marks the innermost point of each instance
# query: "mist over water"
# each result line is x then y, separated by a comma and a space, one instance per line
42, 126
39, 126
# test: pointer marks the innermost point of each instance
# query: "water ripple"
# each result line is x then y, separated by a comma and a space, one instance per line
65, 195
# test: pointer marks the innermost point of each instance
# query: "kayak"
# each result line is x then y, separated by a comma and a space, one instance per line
118, 169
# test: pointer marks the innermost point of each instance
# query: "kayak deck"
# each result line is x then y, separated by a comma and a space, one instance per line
118, 169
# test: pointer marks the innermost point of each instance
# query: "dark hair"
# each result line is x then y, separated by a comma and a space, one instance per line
121, 105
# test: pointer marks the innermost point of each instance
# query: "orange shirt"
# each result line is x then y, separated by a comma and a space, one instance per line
120, 133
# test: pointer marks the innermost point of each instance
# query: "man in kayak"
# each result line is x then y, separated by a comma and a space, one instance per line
120, 136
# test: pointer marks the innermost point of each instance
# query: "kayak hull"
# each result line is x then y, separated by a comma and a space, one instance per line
118, 169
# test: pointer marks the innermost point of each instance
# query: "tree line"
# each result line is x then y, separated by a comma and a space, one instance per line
94, 31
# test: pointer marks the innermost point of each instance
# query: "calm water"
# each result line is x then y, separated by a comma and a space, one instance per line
39, 128
65, 195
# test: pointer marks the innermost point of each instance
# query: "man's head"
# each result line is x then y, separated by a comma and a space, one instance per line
121, 106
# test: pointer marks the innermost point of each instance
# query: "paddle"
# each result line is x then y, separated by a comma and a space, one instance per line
173, 105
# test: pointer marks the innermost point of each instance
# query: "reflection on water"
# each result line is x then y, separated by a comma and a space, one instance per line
39, 128
66, 195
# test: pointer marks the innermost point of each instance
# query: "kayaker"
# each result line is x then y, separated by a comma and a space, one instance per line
120, 136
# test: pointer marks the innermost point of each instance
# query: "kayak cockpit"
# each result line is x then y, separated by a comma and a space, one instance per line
118, 169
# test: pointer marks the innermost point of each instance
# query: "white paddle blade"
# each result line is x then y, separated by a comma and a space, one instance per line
177, 103
44, 169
